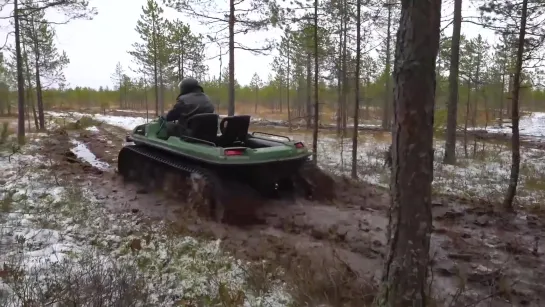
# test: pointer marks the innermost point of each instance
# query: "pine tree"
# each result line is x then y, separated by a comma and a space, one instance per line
521, 19
187, 56
406, 267
239, 19
48, 63
75, 9
256, 83
117, 79
151, 54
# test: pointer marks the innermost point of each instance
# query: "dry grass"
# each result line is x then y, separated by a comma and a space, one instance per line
5, 131
86, 280
82, 123
313, 281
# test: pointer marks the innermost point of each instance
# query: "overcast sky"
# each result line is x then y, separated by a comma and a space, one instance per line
95, 46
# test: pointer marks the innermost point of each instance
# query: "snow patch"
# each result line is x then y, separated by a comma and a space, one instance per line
532, 125
92, 129
82, 152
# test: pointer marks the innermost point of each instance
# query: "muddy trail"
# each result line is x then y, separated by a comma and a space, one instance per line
332, 251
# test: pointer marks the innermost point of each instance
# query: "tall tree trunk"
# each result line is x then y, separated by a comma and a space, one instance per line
161, 91
406, 267
39, 94
388, 92
30, 102
450, 145
354, 170
309, 91
515, 140
502, 98
181, 62
28, 111
280, 94
339, 80
220, 80
20, 78
288, 86
344, 70
509, 105
316, 89
476, 104
466, 120
146, 101
35, 116
155, 64
231, 105
256, 98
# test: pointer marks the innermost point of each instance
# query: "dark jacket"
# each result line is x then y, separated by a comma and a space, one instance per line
188, 105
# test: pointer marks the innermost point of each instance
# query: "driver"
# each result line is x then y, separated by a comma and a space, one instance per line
191, 101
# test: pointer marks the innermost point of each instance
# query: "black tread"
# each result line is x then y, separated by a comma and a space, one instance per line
220, 187
175, 164
158, 156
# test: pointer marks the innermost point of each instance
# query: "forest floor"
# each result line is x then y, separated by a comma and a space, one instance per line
64, 210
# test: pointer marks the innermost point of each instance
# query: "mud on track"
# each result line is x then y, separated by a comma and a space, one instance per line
335, 248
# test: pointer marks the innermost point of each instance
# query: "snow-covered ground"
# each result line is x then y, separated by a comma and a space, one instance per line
58, 244
532, 125
484, 174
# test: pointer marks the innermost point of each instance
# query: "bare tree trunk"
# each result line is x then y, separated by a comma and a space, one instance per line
35, 116
288, 85
509, 105
406, 267
339, 81
309, 89
316, 89
30, 101
39, 94
146, 101
20, 78
161, 91
502, 98
231, 104
28, 111
344, 95
476, 104
450, 145
466, 120
256, 98
388, 91
354, 170
515, 140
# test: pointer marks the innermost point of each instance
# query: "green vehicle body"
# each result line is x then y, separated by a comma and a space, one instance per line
155, 134
230, 161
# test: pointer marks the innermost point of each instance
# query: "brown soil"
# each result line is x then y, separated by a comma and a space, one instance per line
333, 250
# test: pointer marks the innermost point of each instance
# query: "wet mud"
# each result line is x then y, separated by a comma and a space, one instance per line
480, 256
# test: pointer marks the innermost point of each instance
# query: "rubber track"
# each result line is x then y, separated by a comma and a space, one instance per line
187, 169
155, 156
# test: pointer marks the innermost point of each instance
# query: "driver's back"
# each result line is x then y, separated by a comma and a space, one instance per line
194, 103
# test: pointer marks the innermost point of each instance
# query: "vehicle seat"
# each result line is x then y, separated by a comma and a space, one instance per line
234, 130
203, 127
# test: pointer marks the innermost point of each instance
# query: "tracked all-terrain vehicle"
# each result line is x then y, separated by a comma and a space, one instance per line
217, 170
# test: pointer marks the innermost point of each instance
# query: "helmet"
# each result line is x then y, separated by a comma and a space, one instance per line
189, 85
